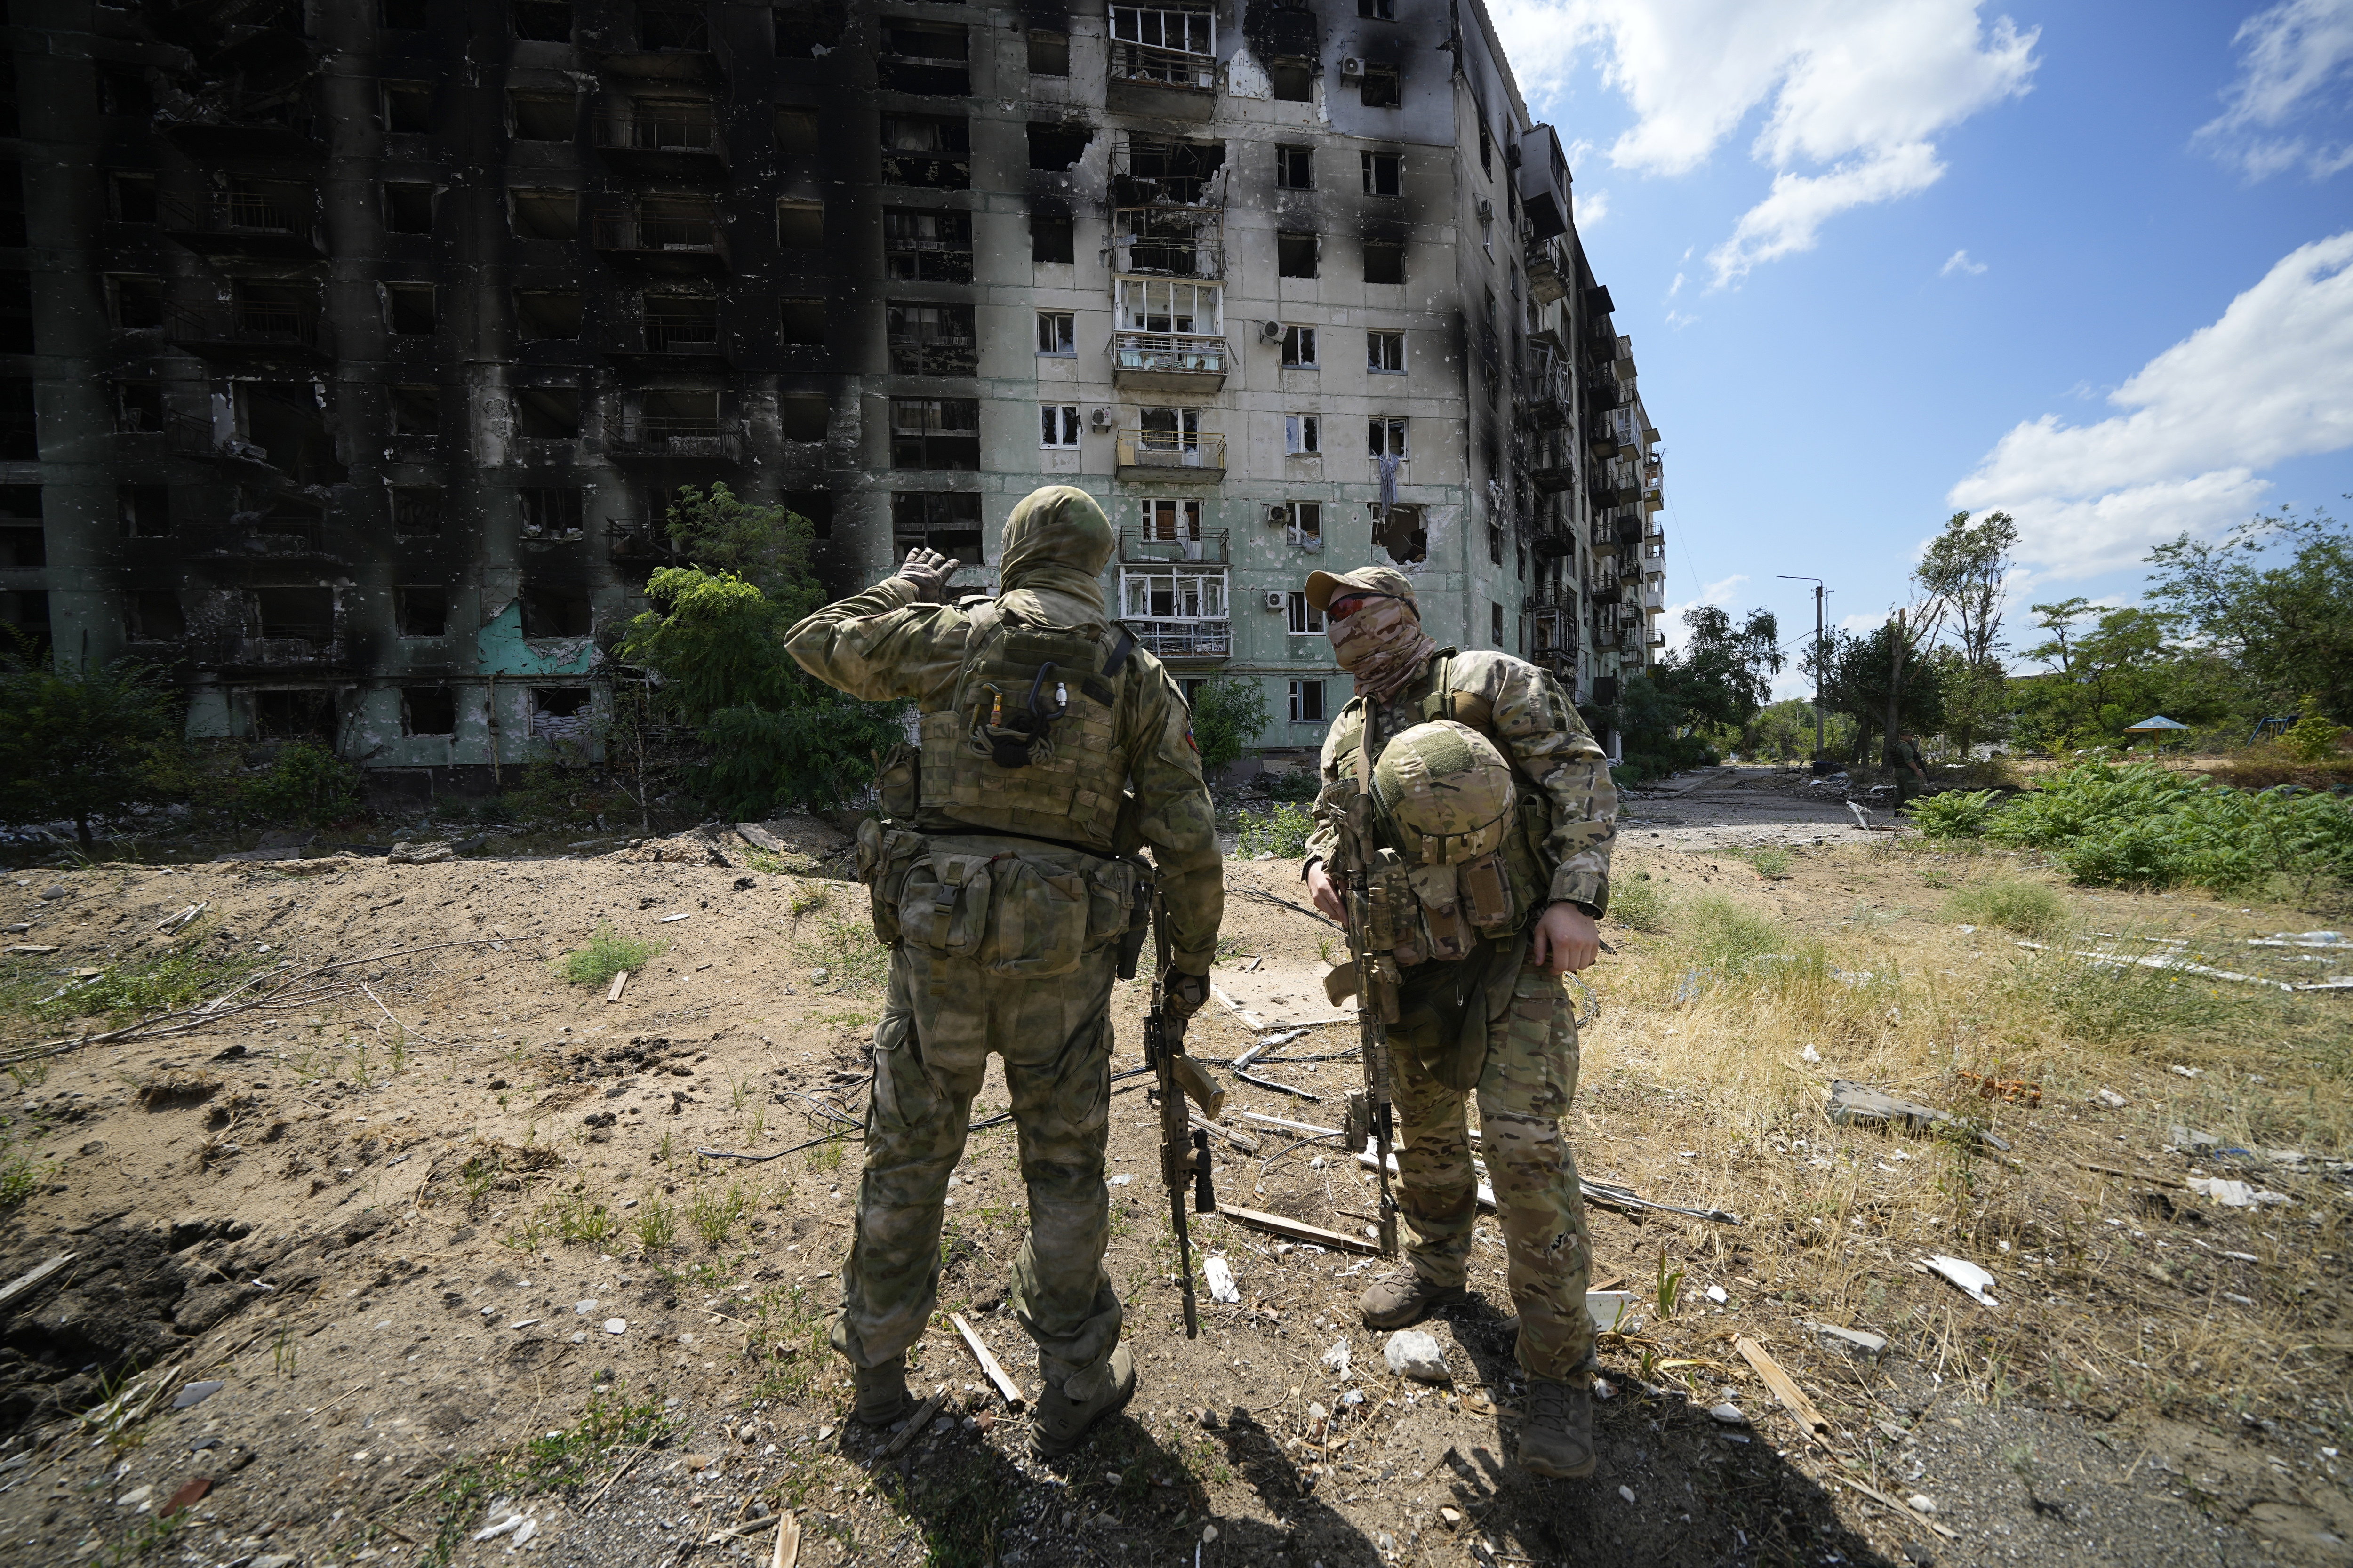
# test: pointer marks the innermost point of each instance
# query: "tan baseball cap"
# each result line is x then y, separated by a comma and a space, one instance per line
1323, 587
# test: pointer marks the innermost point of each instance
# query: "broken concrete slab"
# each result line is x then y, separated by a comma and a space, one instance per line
1859, 1105
1856, 1342
422, 853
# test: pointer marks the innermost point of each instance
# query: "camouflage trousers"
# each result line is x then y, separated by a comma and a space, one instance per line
1524, 1091
943, 1018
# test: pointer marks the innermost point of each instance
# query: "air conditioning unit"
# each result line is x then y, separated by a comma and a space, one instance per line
1486, 210
1278, 516
1099, 420
1270, 332
1350, 66
1274, 599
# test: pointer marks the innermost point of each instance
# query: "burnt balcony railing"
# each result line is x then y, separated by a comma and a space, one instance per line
670, 436
1184, 639
1173, 254
1148, 543
271, 536
669, 244
681, 334
935, 356
687, 147
251, 328
245, 223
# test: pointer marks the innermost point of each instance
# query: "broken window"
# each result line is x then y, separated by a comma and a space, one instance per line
1049, 52
921, 246
1299, 348
1384, 353
1376, 10
306, 611
1384, 437
678, 322
1305, 619
544, 116
124, 89
806, 30
804, 322
299, 715
1383, 262
796, 131
1302, 434
800, 225
1292, 81
19, 433
410, 308
145, 510
1058, 424
1052, 239
803, 416
1058, 332
1191, 309
153, 614
545, 215
935, 432
545, 21
1305, 527
551, 513
673, 28
428, 710
416, 512
407, 209
408, 107
1057, 147
678, 421
1294, 255
547, 413
137, 302
1176, 47
1380, 89
10, 122
1294, 168
547, 315
923, 59
17, 311
931, 151
415, 410
1307, 702
1401, 531
1384, 173
930, 339
1486, 150
947, 522
556, 612
131, 196
138, 406
421, 612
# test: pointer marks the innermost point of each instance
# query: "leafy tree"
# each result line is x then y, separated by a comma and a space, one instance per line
2056, 618
2275, 597
1856, 675
1784, 732
715, 637
82, 743
1724, 674
1228, 714
1966, 569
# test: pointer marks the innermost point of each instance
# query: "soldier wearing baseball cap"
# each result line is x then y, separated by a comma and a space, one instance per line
1499, 806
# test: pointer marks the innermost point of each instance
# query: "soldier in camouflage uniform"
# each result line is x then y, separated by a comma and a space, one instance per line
1497, 1019
1051, 742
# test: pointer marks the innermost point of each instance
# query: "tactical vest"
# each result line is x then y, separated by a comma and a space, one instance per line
1423, 913
1026, 745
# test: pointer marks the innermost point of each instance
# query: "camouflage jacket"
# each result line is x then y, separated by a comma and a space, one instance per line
1538, 729
883, 646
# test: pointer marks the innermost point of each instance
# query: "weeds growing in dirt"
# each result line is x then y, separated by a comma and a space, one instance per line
715, 1214
1282, 833
560, 1461
607, 954
2012, 904
826, 1156
1770, 863
578, 1219
656, 1227
1636, 903
20, 1180
192, 970
845, 949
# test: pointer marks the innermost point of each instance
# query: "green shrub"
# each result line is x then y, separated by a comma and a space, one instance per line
1722, 932
1301, 785
607, 954
2012, 904
1228, 714
1636, 903
1281, 832
306, 786
1771, 864
1956, 814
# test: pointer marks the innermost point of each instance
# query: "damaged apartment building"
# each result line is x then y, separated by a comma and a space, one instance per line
351, 354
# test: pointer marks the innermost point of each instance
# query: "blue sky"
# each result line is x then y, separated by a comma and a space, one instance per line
1882, 261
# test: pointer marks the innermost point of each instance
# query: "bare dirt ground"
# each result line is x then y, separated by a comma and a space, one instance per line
438, 1229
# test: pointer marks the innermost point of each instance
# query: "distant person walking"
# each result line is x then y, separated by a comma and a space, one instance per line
1911, 769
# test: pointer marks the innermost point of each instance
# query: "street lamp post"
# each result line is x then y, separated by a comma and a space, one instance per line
1819, 590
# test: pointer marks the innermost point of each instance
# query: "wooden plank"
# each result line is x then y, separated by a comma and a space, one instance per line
972, 1342
789, 1542
1897, 1509
915, 1423
620, 978
1785, 1388
33, 1276
1242, 1141
1299, 1230
1309, 1129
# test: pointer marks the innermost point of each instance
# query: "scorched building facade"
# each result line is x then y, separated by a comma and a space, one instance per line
350, 354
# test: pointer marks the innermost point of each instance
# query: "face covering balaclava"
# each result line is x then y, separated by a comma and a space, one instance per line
1056, 544
1382, 645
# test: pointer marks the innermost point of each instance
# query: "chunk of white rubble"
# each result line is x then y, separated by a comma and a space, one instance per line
1412, 1353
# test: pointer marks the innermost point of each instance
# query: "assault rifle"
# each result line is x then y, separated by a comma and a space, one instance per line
1184, 1153
1372, 975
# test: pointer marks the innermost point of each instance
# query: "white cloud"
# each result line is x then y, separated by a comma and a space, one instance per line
2272, 380
1679, 321
1592, 207
2289, 56
1960, 262
1719, 594
1854, 90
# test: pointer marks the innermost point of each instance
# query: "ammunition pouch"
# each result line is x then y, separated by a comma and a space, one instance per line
1015, 911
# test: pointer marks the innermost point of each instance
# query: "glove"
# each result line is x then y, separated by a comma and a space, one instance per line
1183, 994
929, 571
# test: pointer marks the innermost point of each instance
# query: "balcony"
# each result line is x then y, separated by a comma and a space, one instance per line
1184, 639
242, 130
666, 435
271, 538
685, 342
1550, 480
1192, 247
686, 147
239, 223
670, 45
1654, 592
677, 246
1147, 544
1654, 500
1546, 284
1170, 459
1163, 63
253, 333
1168, 361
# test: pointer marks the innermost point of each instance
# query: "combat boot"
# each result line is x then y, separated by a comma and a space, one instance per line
1558, 1440
1060, 1419
883, 1396
1403, 1298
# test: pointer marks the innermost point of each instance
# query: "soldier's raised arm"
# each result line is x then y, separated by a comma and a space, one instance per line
1173, 818
883, 644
